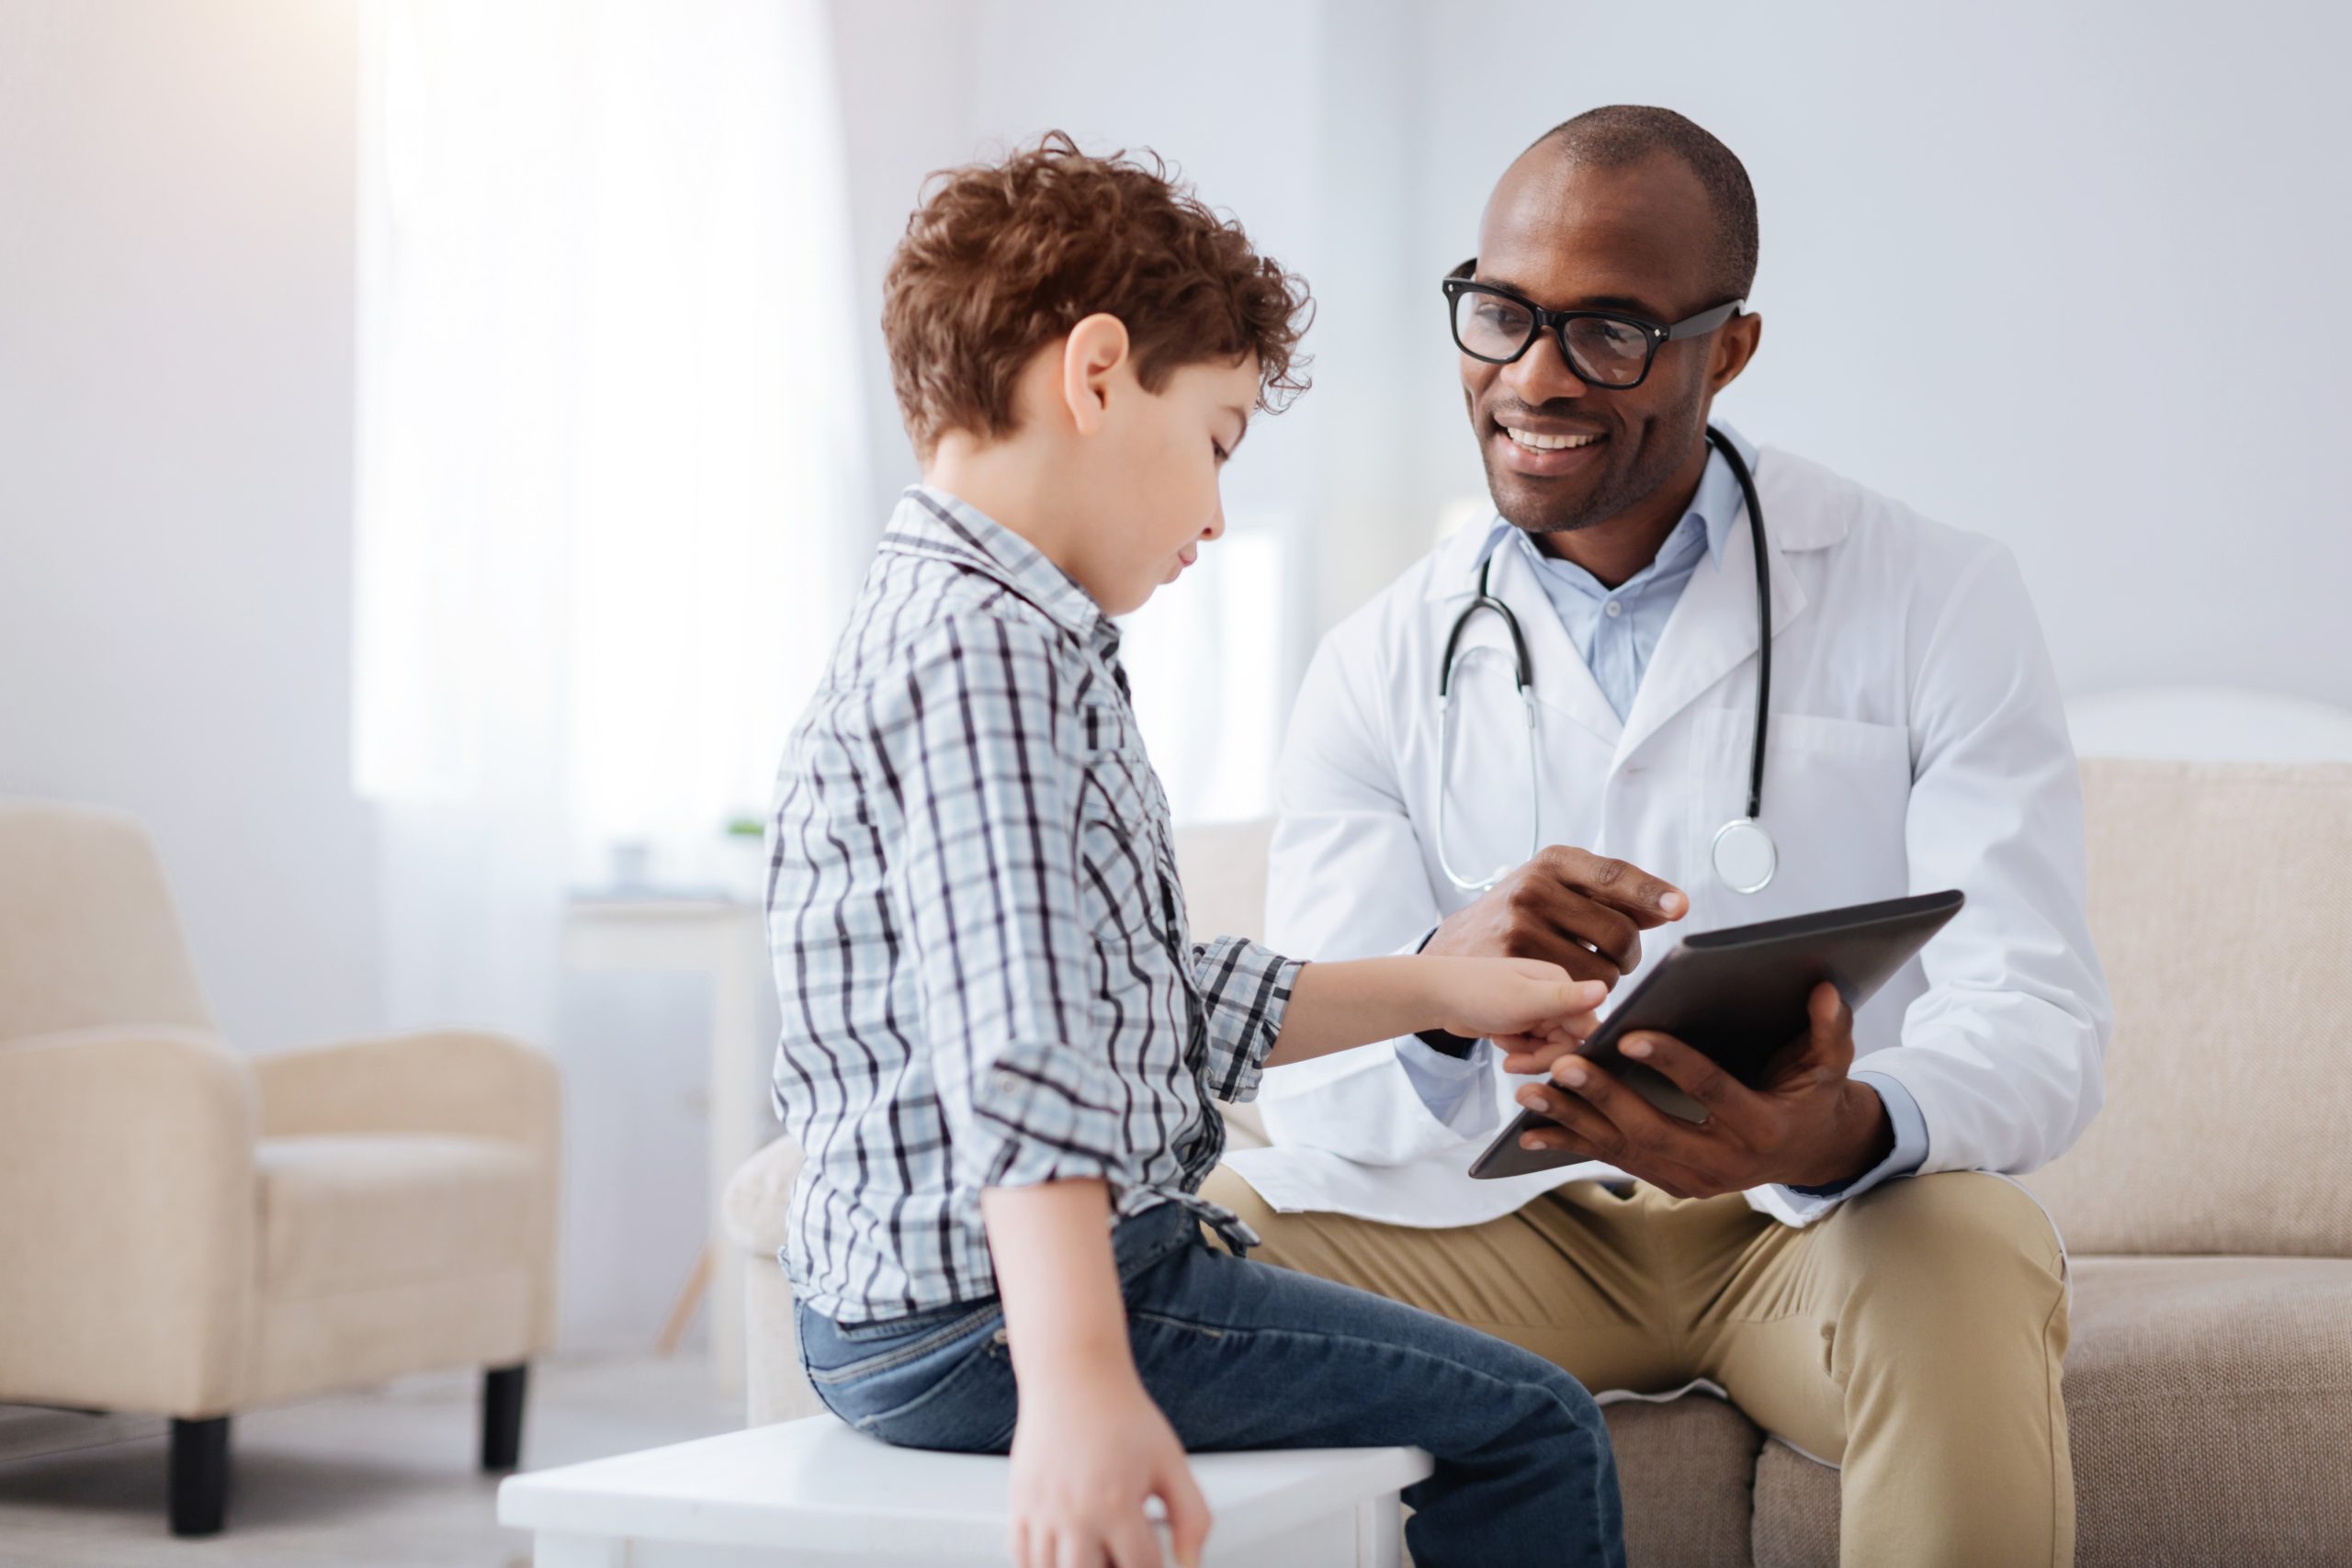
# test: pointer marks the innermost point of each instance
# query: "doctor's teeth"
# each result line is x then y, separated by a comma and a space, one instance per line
1540, 443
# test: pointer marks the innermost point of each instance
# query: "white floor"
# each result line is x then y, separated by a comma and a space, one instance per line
380, 1480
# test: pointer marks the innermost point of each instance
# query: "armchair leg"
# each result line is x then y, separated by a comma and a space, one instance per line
502, 1415
199, 1475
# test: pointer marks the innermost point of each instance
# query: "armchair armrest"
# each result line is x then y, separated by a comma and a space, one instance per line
127, 1220
462, 1081
467, 1082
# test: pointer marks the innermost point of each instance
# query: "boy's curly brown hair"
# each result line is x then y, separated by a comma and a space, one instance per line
1001, 259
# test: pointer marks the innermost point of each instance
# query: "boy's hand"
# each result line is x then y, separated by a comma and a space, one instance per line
1088, 1453
1522, 1004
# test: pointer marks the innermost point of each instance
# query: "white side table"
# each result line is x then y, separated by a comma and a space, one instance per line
815, 1494
726, 940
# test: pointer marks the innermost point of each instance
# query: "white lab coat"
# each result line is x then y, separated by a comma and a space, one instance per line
1916, 743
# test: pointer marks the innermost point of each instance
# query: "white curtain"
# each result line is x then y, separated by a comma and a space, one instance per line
608, 447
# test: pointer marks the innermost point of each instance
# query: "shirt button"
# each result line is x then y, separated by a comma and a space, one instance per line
1613, 609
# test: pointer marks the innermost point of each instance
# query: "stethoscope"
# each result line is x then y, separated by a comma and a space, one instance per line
1744, 854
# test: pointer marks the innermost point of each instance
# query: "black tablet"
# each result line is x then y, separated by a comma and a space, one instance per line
1739, 996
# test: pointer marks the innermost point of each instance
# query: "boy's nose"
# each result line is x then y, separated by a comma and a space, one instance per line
1215, 530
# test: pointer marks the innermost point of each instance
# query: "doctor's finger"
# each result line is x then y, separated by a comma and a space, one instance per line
1589, 923
1649, 900
1645, 1125
1540, 937
1832, 1021
1580, 1129
1690, 1072
1827, 1044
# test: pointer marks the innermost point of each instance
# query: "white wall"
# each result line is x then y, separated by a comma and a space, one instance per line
175, 362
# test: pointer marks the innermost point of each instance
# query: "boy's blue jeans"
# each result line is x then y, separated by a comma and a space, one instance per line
1243, 1354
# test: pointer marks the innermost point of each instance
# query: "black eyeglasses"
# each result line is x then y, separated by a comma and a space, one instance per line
1604, 348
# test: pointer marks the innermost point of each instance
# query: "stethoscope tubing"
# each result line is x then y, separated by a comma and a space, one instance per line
1523, 681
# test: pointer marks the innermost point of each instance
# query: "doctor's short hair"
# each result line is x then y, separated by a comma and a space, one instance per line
1618, 134
1003, 258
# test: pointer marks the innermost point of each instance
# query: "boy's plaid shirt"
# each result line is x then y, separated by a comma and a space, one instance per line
979, 940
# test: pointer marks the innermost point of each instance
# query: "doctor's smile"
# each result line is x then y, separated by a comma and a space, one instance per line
1533, 450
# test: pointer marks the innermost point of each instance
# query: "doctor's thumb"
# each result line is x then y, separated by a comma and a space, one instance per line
1832, 1021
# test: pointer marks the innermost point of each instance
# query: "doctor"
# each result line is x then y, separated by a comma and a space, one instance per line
1826, 1249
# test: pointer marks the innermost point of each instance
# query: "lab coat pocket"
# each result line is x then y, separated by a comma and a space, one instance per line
1837, 792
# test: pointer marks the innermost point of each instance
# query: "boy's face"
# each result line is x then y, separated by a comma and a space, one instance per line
1151, 473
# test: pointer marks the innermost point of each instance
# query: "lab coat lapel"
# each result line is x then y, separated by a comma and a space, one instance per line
1712, 630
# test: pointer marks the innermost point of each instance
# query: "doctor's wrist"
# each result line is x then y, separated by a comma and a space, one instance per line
1861, 1134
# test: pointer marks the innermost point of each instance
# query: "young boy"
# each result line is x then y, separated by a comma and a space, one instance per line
1000, 1045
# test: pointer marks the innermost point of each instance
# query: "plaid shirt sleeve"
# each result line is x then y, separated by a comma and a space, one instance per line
989, 882
1246, 989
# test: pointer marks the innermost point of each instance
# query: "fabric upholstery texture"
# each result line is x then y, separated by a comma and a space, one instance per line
192, 1230
1683, 1469
343, 1212
2209, 1383
2222, 903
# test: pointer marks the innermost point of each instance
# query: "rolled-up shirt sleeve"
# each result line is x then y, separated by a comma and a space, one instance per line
1245, 990
990, 884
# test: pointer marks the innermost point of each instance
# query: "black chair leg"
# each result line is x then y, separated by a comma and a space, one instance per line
199, 1475
502, 1415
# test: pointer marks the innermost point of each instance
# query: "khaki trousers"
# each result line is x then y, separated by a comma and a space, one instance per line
1914, 1337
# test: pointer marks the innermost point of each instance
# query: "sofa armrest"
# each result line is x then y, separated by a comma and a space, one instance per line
128, 1214
759, 1198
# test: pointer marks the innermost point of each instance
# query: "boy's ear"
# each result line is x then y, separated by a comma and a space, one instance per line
1091, 356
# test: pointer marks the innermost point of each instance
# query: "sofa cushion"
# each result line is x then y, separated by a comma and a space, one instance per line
2221, 899
359, 1211
1684, 1469
2208, 1403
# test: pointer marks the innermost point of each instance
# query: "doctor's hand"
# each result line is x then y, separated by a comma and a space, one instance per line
1582, 911
1806, 1123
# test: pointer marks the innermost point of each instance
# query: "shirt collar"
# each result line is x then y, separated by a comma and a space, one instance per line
932, 522
1717, 506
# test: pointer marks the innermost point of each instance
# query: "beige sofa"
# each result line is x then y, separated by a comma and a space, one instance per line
2209, 1210
191, 1230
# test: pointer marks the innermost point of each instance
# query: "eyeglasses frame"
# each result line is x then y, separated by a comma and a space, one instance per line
1459, 282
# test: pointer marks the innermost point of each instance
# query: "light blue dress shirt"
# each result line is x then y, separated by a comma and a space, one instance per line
1616, 630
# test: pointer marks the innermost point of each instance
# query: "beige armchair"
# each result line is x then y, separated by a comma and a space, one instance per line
2209, 1385
192, 1231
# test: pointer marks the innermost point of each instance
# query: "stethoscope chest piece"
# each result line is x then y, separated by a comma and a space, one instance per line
1746, 857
